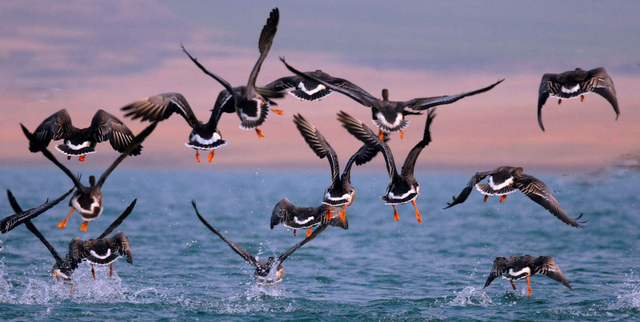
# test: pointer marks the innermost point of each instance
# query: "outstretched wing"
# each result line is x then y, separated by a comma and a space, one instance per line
421, 104
551, 269
161, 107
602, 84
118, 220
318, 144
462, 197
54, 127
48, 155
412, 157
365, 154
264, 45
132, 147
236, 248
355, 93
367, 136
106, 126
9, 223
543, 94
283, 83
120, 241
220, 80
499, 267
318, 230
537, 191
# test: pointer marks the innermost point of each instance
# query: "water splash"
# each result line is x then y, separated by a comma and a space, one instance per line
471, 296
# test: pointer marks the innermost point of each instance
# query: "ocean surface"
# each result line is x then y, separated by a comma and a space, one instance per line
378, 269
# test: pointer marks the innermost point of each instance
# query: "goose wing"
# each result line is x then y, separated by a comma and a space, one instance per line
537, 191
367, 136
543, 94
300, 244
106, 126
549, 268
410, 161
236, 248
601, 83
499, 267
118, 220
466, 191
160, 107
54, 127
9, 223
264, 45
318, 144
421, 104
345, 87
132, 147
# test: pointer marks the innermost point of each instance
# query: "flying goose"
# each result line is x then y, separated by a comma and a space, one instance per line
576, 83
295, 217
340, 192
389, 116
519, 267
88, 200
80, 142
403, 186
267, 273
505, 180
307, 89
64, 267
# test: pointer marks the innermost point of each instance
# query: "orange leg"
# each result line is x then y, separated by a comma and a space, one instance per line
417, 212
513, 284
211, 154
401, 134
581, 98
395, 213
260, 134
277, 111
111, 270
309, 232
84, 226
55, 276
197, 156
295, 233
559, 101
72, 288
63, 223
82, 158
485, 198
503, 198
328, 217
342, 214
381, 135
68, 157
528, 284
93, 272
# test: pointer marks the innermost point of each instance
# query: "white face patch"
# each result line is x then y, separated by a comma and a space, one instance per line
302, 222
312, 91
570, 90
506, 183
101, 257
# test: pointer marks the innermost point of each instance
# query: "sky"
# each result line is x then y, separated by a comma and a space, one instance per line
85, 56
